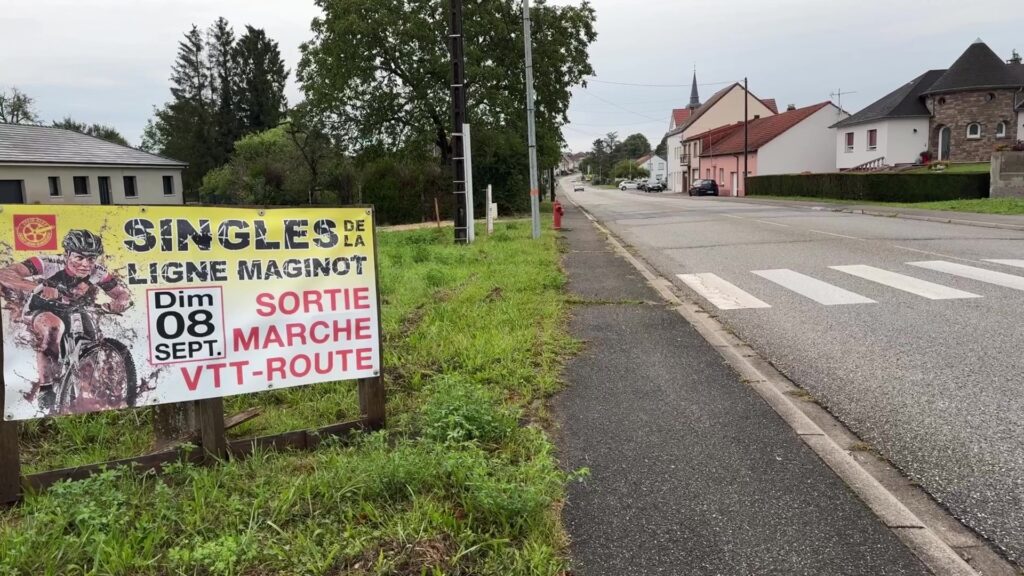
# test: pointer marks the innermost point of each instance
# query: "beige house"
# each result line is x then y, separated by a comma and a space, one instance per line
43, 165
725, 107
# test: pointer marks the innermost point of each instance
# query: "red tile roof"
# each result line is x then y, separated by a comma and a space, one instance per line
761, 131
770, 103
711, 138
644, 158
679, 115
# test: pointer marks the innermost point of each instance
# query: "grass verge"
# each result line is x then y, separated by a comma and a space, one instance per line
976, 205
463, 481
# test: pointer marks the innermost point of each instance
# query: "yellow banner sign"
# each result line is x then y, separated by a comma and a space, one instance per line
108, 307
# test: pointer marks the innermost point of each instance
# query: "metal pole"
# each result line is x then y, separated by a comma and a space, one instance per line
746, 99
458, 90
531, 122
467, 146
490, 212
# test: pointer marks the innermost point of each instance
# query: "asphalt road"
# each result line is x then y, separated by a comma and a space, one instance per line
924, 361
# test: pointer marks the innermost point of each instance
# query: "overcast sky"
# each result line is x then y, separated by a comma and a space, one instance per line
108, 61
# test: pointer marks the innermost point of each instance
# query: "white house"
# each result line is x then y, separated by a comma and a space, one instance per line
724, 108
655, 166
798, 140
891, 131
43, 165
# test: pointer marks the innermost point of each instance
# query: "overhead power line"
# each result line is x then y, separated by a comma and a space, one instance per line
641, 85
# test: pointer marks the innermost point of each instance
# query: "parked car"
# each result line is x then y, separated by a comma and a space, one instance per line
653, 186
577, 187
704, 188
628, 185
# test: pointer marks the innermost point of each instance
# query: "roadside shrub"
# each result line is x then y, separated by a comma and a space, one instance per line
887, 187
460, 411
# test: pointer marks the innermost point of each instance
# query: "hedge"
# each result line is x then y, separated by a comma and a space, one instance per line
878, 187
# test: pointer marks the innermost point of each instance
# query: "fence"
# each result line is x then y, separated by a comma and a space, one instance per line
878, 187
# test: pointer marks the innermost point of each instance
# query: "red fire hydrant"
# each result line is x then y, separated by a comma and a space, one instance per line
557, 210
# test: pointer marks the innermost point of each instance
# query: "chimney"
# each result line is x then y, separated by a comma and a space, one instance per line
790, 107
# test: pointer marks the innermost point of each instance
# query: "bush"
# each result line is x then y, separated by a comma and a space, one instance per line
887, 187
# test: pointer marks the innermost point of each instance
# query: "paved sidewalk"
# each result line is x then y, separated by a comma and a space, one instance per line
690, 471
1002, 221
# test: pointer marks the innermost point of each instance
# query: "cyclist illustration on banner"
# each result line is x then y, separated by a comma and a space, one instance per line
54, 297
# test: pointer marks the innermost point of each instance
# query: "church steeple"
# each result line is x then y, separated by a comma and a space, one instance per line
694, 96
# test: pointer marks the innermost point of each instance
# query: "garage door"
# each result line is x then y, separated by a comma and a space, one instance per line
11, 192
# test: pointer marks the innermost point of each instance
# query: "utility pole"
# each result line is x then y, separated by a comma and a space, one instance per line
746, 123
458, 155
531, 122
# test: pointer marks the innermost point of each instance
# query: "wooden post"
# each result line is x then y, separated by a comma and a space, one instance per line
10, 455
372, 402
210, 415
371, 390
437, 212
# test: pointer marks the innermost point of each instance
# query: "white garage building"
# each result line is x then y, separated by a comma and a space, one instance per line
43, 165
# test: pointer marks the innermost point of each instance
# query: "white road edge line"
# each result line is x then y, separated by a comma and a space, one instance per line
834, 234
916, 286
721, 293
937, 555
820, 292
979, 274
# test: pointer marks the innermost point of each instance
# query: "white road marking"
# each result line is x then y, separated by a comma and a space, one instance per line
773, 223
721, 293
910, 284
834, 234
933, 253
979, 274
821, 292
1016, 263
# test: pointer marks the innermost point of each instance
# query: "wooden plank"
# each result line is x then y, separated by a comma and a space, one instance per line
10, 453
155, 462
229, 423
210, 417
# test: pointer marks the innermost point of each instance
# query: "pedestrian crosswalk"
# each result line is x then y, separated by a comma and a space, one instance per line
726, 294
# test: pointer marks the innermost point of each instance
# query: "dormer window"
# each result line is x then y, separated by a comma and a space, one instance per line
973, 131
941, 100
1001, 130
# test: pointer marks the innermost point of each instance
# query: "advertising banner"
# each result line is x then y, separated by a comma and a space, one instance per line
107, 307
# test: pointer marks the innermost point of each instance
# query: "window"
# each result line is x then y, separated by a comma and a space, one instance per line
849, 141
54, 185
756, 116
81, 185
973, 131
872, 139
1001, 130
168, 185
942, 100
721, 175
130, 191
707, 171
990, 97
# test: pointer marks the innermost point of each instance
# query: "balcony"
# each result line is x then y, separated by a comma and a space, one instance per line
684, 159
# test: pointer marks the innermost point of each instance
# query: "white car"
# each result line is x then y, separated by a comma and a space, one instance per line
628, 185
577, 187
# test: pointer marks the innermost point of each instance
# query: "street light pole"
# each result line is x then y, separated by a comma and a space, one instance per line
531, 122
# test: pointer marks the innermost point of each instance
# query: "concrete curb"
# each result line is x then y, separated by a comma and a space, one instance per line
888, 214
929, 538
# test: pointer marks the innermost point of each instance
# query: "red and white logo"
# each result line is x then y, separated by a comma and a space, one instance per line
35, 232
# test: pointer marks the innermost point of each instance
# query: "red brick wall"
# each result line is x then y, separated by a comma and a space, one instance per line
962, 108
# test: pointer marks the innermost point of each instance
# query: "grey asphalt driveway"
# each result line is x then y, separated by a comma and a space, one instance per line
914, 339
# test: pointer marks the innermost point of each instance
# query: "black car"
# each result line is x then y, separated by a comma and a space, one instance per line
652, 186
704, 188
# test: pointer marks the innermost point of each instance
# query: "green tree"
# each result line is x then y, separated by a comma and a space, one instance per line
17, 108
182, 128
265, 168
224, 79
379, 71
261, 80
662, 148
635, 146
108, 133
629, 169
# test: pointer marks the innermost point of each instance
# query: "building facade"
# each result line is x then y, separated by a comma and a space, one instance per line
43, 165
